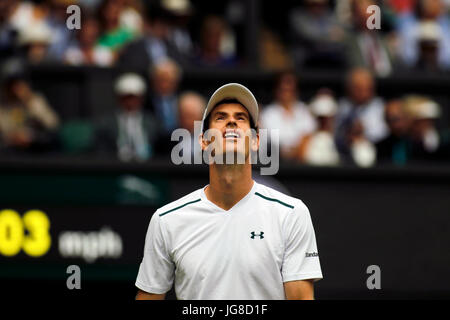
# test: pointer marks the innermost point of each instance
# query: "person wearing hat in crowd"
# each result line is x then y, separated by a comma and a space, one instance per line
234, 238
129, 132
319, 147
35, 42
428, 142
27, 121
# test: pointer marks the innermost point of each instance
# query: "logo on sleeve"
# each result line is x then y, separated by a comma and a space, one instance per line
311, 254
253, 235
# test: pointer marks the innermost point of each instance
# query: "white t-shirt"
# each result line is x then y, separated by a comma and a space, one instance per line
245, 253
292, 126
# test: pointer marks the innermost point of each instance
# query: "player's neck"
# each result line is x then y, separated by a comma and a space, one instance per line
228, 184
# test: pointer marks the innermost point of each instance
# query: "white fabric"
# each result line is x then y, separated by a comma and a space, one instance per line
292, 126
209, 253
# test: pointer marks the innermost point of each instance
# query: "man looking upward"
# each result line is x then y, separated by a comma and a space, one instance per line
233, 239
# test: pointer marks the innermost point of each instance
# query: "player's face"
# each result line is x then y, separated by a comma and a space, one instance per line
231, 122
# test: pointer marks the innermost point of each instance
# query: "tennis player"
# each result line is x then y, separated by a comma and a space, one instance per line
233, 239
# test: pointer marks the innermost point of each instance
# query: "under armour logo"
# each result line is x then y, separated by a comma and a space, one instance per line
253, 235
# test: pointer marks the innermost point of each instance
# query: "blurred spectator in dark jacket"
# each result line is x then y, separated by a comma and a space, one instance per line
317, 35
395, 148
129, 132
365, 47
319, 148
216, 47
27, 122
363, 104
181, 12
410, 28
84, 49
287, 114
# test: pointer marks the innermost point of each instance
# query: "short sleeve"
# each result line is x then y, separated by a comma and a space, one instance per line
301, 257
156, 272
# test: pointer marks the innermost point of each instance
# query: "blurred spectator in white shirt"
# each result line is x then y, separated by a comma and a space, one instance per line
319, 147
288, 115
361, 103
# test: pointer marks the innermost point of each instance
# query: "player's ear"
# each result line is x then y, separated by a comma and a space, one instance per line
203, 142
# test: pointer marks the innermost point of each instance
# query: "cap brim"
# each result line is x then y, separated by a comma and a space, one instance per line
233, 91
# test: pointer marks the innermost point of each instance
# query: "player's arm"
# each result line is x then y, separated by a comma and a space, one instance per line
299, 290
142, 295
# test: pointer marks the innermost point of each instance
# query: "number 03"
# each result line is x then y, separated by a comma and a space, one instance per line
12, 233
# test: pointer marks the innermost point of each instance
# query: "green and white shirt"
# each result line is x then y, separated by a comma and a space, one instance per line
247, 252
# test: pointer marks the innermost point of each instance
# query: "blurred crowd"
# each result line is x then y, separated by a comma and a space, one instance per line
153, 42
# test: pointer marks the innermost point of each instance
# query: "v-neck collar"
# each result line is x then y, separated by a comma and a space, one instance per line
238, 204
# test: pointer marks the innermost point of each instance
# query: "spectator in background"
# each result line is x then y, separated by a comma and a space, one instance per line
34, 43
395, 148
317, 35
165, 77
181, 12
216, 47
153, 46
56, 21
288, 115
84, 49
356, 148
129, 132
130, 15
429, 41
410, 28
113, 35
428, 142
319, 147
27, 122
364, 47
361, 103
191, 106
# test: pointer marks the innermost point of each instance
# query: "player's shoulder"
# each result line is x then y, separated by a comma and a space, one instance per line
180, 203
277, 198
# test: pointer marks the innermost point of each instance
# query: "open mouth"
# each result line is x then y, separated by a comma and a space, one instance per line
231, 134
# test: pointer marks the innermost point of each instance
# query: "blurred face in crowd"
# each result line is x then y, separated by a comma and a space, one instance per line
130, 102
165, 78
89, 33
191, 109
360, 86
431, 9
325, 123
286, 91
396, 118
212, 33
111, 14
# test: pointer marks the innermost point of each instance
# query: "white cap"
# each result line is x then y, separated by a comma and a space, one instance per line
324, 106
36, 33
429, 31
130, 83
179, 7
427, 110
233, 91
